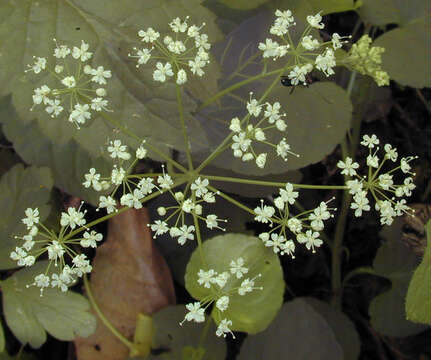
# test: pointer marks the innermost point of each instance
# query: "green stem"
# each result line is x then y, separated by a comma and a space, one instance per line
126, 131
237, 86
198, 234
102, 317
232, 200
183, 127
271, 183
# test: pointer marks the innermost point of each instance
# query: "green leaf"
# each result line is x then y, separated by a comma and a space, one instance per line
2, 339
400, 12
177, 340
68, 162
409, 44
298, 332
395, 262
144, 107
20, 188
254, 311
333, 6
342, 327
418, 300
62, 314
243, 4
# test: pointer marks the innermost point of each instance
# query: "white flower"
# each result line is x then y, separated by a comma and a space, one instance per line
69, 82
221, 279
391, 153
117, 175
354, 186
165, 181
146, 185
373, 161
149, 36
41, 281
19, 255
82, 265
311, 240
309, 43
72, 218
269, 48
178, 26
55, 250
41, 95
253, 106
235, 125
336, 43
54, 108
196, 66
275, 242
326, 63
143, 55
294, 225
99, 104
38, 66
348, 166
222, 303
211, 221
261, 160
60, 52
162, 71
81, 53
32, 217
90, 239
92, 179
200, 186
160, 227
185, 233
109, 203
205, 278
272, 112
100, 75
196, 313
385, 181
370, 142
246, 287
360, 203
132, 199
181, 77
80, 114
117, 150
223, 328
288, 194
237, 268
315, 21
264, 213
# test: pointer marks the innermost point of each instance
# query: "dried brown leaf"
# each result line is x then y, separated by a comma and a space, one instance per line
129, 277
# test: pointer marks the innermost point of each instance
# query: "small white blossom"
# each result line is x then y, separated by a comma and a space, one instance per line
224, 328
315, 21
237, 268
90, 239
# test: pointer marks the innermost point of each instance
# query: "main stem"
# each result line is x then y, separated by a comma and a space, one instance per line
183, 128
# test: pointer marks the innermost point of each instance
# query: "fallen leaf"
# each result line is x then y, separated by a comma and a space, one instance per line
129, 277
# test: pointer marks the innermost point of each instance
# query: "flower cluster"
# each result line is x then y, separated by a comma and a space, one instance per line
191, 205
245, 133
120, 177
313, 53
59, 247
367, 60
222, 287
175, 51
387, 195
72, 79
304, 226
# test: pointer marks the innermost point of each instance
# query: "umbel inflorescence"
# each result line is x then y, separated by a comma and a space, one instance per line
76, 87
72, 85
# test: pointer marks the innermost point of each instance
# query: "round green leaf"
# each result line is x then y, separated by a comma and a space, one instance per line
19, 189
395, 262
63, 314
418, 300
299, 332
174, 339
411, 45
254, 311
